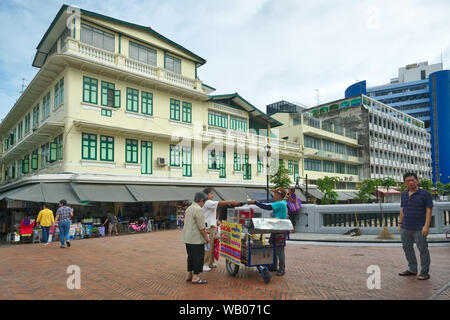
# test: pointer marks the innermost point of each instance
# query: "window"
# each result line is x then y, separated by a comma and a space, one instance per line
59, 94
187, 161
174, 155
34, 160
89, 146
217, 119
142, 54
172, 64
27, 122
45, 152
174, 109
110, 96
340, 148
146, 157
53, 151
237, 163
291, 167
35, 116
247, 167
313, 165
340, 167
238, 124
106, 148
106, 113
328, 166
90, 89
26, 165
131, 151
132, 100
46, 106
59, 142
187, 112
312, 142
259, 164
97, 38
296, 170
352, 169
423, 75
146, 103
20, 130
328, 146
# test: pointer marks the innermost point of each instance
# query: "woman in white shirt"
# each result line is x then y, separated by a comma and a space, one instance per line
210, 209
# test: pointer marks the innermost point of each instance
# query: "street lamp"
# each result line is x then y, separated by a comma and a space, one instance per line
297, 185
267, 149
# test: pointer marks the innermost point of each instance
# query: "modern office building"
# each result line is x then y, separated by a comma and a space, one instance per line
117, 116
410, 93
392, 142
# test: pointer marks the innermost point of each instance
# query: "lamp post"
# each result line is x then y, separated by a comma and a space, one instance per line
267, 149
297, 185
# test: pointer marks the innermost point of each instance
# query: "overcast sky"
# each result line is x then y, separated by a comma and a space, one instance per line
266, 50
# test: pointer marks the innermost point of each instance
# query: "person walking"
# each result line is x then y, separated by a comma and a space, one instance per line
210, 211
279, 208
195, 237
112, 219
45, 219
414, 225
64, 215
294, 205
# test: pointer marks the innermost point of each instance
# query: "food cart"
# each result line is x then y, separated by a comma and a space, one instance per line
243, 239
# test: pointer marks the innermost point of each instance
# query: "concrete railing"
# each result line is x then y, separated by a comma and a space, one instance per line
340, 218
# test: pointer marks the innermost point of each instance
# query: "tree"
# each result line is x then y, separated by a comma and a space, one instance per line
426, 184
388, 183
326, 185
366, 189
281, 177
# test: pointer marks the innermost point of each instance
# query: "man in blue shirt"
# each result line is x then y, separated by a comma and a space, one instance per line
279, 208
414, 225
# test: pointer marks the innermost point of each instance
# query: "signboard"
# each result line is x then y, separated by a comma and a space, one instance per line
230, 241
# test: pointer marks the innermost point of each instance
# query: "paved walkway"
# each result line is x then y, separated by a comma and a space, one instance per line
153, 266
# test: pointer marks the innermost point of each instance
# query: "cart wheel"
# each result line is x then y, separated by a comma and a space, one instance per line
232, 268
266, 275
131, 229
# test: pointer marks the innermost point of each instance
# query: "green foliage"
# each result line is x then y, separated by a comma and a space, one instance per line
426, 184
388, 183
366, 189
326, 185
281, 178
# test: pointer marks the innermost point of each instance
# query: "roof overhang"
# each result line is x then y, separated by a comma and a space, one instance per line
62, 19
247, 106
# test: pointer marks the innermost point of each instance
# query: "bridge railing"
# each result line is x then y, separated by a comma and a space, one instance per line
370, 218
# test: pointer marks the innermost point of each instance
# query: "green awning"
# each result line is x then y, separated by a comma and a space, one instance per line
103, 192
151, 193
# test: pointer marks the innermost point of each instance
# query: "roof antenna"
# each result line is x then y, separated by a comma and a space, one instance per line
317, 96
23, 86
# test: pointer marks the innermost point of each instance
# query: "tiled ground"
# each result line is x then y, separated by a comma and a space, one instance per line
153, 266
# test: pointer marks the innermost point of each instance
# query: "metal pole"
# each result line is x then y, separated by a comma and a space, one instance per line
306, 195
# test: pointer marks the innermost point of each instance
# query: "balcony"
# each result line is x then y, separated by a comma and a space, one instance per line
76, 48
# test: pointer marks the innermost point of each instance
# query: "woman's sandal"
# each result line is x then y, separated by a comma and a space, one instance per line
200, 281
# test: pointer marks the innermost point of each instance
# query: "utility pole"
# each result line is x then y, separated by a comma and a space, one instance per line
23, 86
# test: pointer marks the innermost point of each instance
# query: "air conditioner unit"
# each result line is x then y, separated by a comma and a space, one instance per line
345, 178
162, 161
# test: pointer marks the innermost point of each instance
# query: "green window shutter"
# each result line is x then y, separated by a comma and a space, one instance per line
89, 147
132, 100
106, 148
146, 157
174, 109
187, 161
187, 112
53, 151
174, 155
147, 103
34, 160
237, 162
61, 91
108, 94
25, 165
116, 98
90, 90
222, 165
131, 151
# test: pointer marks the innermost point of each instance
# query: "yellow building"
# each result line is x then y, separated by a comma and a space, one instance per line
327, 149
117, 113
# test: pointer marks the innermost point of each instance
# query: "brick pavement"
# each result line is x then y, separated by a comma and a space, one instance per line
153, 266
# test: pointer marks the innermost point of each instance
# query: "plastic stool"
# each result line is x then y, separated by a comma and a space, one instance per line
36, 236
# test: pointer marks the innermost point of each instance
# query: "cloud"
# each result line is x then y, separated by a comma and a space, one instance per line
265, 50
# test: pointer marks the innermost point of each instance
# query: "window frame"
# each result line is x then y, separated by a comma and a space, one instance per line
92, 84
91, 146
107, 145
132, 100
131, 151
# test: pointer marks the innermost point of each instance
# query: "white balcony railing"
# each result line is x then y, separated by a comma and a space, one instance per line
75, 47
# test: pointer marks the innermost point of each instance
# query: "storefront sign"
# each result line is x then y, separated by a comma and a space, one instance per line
230, 241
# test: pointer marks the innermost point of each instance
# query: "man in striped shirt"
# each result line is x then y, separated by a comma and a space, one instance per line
63, 215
